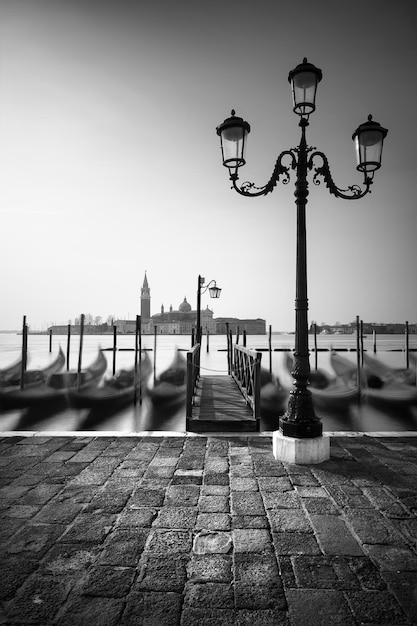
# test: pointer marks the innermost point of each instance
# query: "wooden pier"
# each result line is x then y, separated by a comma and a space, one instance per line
219, 406
224, 403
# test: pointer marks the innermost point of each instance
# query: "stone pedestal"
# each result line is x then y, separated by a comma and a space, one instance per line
300, 451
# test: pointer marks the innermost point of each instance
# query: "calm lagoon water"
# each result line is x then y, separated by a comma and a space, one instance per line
390, 349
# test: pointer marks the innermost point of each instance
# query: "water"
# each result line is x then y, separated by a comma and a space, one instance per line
390, 349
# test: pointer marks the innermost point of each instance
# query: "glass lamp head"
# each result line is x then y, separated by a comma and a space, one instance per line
304, 80
215, 291
233, 133
369, 140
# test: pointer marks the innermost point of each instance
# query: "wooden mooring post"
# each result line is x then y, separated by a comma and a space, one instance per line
155, 332
114, 348
270, 348
68, 345
80, 351
407, 346
138, 355
358, 355
24, 352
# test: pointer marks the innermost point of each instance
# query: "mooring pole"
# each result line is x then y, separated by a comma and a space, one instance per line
68, 345
114, 347
80, 352
270, 348
154, 352
407, 346
24, 353
358, 355
138, 349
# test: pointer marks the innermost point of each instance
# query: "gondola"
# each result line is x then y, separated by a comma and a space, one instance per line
116, 392
54, 388
170, 387
404, 375
327, 391
37, 376
377, 390
10, 372
15, 396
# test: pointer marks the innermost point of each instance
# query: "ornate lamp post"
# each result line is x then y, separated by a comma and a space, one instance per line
214, 292
300, 422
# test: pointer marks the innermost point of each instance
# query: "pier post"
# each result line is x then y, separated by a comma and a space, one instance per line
155, 330
114, 347
80, 352
138, 348
270, 348
68, 345
358, 356
407, 346
24, 353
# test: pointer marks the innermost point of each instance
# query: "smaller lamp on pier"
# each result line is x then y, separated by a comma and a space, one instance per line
215, 291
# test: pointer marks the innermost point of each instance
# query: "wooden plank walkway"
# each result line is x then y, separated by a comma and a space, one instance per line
220, 406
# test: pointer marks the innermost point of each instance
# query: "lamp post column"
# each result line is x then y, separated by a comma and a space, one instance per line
300, 436
198, 331
300, 420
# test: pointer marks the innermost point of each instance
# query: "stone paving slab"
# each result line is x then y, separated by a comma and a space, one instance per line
209, 530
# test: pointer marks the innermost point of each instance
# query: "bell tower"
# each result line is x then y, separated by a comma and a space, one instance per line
145, 300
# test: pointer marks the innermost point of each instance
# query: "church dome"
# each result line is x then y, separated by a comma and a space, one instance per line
185, 307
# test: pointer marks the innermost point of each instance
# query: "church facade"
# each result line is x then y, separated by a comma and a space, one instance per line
183, 320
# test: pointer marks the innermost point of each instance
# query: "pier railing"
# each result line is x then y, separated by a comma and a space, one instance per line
193, 374
246, 371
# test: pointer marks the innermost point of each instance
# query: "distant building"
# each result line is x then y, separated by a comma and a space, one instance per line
251, 327
89, 329
367, 327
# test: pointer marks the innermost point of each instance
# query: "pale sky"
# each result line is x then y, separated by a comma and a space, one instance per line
110, 164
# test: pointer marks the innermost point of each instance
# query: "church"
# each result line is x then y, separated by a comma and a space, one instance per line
183, 320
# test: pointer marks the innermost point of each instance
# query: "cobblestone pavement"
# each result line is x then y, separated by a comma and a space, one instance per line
206, 531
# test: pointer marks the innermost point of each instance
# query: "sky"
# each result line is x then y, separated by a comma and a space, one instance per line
110, 165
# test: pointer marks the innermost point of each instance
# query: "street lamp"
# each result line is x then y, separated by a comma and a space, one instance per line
300, 422
214, 292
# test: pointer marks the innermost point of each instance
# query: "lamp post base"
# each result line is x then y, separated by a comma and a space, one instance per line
300, 451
